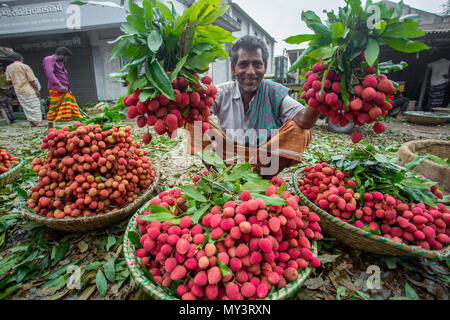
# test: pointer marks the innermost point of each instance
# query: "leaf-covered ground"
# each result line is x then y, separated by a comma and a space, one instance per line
36, 262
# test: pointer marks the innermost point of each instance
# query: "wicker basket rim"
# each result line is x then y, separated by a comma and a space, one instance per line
155, 290
427, 115
12, 169
406, 147
87, 220
441, 254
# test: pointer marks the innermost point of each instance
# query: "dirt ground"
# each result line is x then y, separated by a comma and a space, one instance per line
343, 274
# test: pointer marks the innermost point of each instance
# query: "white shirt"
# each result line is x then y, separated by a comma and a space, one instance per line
229, 109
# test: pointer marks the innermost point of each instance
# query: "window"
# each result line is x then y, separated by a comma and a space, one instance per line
256, 33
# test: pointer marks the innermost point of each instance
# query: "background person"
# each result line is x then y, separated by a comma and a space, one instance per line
5, 95
63, 105
24, 82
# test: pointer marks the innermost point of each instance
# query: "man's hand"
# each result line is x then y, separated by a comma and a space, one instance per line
38, 93
306, 118
62, 88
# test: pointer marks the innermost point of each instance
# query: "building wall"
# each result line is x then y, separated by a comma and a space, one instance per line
98, 25
426, 18
107, 88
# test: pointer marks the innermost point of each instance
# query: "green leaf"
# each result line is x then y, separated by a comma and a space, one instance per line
344, 91
110, 272
201, 61
147, 94
157, 209
340, 292
224, 268
128, 29
111, 241
161, 216
214, 15
320, 29
387, 66
174, 74
407, 29
159, 79
93, 266
405, 45
416, 162
439, 160
216, 33
136, 22
322, 53
237, 172
101, 282
135, 239
154, 40
213, 159
372, 52
310, 17
196, 217
148, 14
282, 189
256, 186
22, 194
300, 38
391, 262
410, 293
363, 295
414, 183
165, 11
270, 201
193, 193
120, 49
381, 158
337, 30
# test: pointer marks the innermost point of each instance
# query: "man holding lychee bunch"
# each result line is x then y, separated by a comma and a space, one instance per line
255, 113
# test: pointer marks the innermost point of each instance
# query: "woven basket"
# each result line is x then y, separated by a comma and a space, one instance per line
362, 240
11, 175
436, 172
155, 291
426, 118
96, 222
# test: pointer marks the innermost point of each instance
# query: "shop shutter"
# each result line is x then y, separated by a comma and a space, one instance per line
79, 67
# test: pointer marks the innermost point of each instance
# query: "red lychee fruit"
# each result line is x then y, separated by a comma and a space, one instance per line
379, 127
357, 136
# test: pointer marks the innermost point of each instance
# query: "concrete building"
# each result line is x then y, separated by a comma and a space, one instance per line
415, 76
36, 28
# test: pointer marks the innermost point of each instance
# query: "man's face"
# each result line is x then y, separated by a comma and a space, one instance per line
62, 58
249, 69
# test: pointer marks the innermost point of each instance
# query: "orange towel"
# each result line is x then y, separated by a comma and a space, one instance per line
281, 151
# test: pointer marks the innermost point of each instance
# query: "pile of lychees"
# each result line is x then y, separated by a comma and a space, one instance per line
367, 101
7, 160
192, 103
409, 223
89, 171
261, 247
